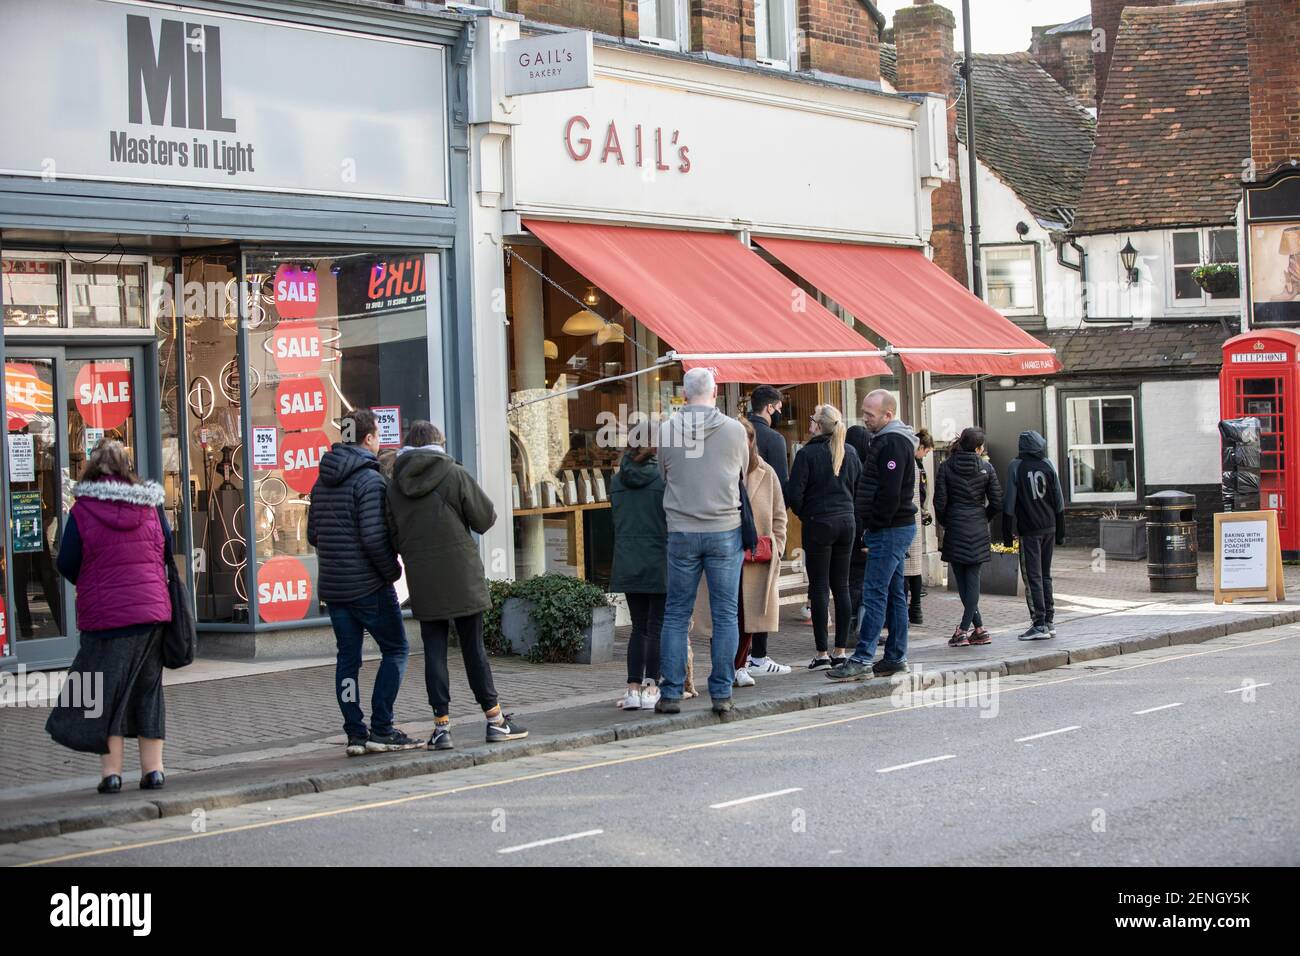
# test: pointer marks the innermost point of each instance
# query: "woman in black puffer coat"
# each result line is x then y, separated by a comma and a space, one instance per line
966, 496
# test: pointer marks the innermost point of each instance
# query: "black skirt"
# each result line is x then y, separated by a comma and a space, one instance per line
114, 689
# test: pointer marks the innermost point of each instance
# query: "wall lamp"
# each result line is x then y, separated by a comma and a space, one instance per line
1128, 259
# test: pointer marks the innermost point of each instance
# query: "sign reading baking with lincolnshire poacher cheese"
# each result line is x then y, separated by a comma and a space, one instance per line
120, 90
1247, 557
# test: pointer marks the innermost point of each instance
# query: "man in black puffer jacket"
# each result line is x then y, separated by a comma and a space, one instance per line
347, 526
1035, 508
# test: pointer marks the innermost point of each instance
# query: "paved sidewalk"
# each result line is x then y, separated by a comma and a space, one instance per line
279, 728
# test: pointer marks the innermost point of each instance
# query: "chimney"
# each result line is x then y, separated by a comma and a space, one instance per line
1105, 17
1272, 39
1067, 58
923, 36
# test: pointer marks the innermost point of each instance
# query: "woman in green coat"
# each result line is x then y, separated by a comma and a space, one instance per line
433, 506
640, 565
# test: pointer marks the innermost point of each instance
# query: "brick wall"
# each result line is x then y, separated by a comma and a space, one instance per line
614, 17
1273, 48
1067, 58
838, 36
923, 34
1105, 17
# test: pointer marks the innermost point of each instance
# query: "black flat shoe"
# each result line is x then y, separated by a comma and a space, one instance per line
110, 784
153, 780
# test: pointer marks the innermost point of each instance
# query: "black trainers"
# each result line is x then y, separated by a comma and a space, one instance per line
504, 730
441, 739
884, 668
1036, 632
980, 636
914, 616
668, 705
393, 740
356, 746
820, 663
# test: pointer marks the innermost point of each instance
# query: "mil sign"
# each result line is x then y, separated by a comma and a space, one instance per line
543, 64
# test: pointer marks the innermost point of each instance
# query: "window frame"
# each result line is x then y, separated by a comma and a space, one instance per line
681, 23
1202, 234
763, 38
1064, 400
1036, 310
152, 273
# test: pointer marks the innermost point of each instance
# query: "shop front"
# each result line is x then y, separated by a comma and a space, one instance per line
680, 214
211, 260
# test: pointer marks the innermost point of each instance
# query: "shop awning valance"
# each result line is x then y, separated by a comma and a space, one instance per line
927, 317
715, 303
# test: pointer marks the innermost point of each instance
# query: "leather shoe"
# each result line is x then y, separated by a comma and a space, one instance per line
153, 780
110, 784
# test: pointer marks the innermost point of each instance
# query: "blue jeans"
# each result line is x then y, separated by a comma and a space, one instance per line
718, 556
381, 615
884, 591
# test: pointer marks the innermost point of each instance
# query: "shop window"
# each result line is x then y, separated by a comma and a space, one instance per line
32, 292
326, 334
1195, 247
108, 294
1102, 448
663, 23
1011, 279
774, 33
171, 413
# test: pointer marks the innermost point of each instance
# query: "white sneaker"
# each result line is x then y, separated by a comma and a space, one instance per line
631, 700
763, 666
649, 696
742, 678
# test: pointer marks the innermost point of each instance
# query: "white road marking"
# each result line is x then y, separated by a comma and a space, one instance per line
1047, 733
559, 839
757, 796
1152, 710
915, 763
1238, 690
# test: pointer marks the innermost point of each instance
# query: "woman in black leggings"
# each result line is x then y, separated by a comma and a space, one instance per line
966, 497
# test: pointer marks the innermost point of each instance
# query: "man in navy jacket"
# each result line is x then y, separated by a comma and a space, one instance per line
1035, 507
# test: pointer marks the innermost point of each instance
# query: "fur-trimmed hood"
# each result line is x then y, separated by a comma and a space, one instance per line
117, 503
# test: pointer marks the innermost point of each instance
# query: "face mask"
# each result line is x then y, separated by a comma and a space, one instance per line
776, 417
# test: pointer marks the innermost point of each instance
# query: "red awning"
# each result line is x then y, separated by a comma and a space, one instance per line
927, 316
716, 303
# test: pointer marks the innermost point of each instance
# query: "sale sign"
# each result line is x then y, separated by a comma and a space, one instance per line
283, 590
295, 292
297, 347
300, 455
25, 394
300, 403
102, 392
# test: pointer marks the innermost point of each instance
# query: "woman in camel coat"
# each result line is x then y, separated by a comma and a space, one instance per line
759, 605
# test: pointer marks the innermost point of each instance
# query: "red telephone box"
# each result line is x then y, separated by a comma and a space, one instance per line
1261, 379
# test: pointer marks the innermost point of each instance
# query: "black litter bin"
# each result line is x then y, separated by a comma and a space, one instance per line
1171, 541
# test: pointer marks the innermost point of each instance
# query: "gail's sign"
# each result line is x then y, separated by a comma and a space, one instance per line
102, 393
283, 589
646, 146
540, 64
198, 98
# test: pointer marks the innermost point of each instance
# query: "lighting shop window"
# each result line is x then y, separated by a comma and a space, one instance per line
327, 333
32, 292
1102, 448
663, 23
1011, 279
774, 33
108, 295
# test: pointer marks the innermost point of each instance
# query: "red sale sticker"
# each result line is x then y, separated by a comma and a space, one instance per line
283, 590
295, 292
102, 392
300, 455
297, 347
300, 403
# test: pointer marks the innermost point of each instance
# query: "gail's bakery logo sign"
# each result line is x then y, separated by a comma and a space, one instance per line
635, 145
176, 76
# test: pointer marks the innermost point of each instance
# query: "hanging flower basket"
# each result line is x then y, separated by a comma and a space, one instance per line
1221, 280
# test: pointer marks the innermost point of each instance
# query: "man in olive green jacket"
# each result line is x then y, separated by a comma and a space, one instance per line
433, 506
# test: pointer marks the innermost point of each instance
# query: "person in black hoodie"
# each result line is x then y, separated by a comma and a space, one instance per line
1034, 508
347, 526
966, 499
820, 492
765, 412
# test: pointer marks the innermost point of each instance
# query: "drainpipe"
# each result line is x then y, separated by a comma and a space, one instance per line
1080, 267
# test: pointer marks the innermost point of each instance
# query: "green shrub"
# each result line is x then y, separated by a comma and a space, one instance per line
562, 608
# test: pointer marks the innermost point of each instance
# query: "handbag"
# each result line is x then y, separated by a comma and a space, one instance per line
179, 637
748, 531
761, 553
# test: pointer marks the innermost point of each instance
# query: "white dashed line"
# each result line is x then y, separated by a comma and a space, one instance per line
1152, 710
1047, 733
1238, 690
915, 763
757, 796
559, 839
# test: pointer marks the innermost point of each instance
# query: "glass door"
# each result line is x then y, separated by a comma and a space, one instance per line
60, 404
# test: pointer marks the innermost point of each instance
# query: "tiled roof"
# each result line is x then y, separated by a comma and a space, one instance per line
1030, 132
1175, 121
889, 62
1125, 349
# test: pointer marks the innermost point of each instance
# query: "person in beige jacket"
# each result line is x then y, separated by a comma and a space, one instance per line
759, 605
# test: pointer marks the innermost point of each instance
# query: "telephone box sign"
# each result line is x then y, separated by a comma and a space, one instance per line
183, 96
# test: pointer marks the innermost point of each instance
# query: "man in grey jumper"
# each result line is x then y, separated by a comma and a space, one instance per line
702, 455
